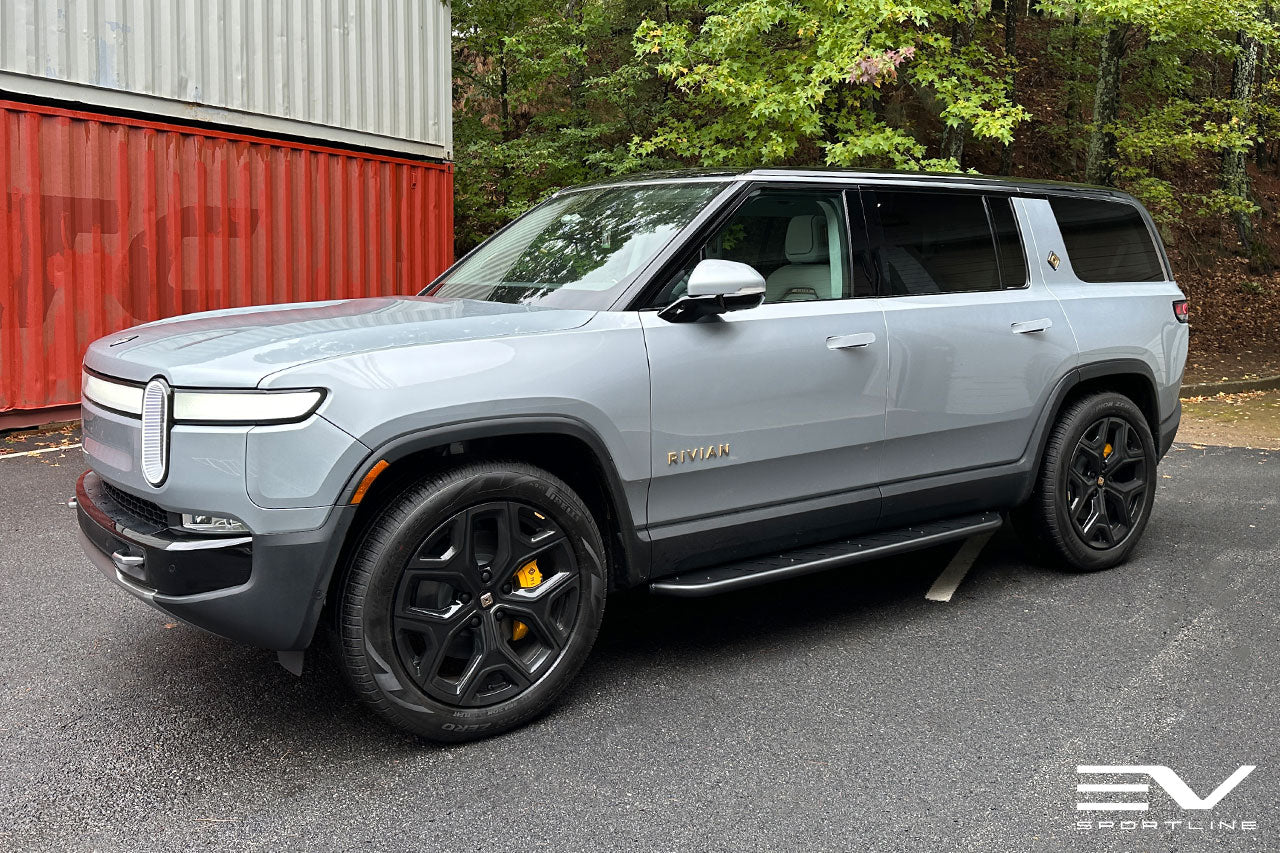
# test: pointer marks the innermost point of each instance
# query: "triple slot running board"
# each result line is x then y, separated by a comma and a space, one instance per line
830, 555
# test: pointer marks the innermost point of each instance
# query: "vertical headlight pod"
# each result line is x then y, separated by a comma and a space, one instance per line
155, 431
244, 407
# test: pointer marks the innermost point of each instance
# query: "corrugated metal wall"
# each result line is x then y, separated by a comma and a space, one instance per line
110, 222
373, 73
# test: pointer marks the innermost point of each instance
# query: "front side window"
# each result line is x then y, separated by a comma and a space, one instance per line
578, 250
795, 239
938, 242
1107, 241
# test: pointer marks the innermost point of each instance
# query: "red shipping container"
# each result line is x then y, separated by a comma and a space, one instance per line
110, 222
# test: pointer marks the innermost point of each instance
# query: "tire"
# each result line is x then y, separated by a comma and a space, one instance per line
431, 605
1096, 485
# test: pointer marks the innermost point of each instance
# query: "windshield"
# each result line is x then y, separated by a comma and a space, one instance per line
579, 249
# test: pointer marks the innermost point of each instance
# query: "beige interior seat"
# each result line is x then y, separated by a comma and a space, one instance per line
807, 274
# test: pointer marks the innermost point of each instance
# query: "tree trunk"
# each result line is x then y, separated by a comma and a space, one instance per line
1071, 113
1260, 151
1235, 178
1010, 52
1100, 166
953, 137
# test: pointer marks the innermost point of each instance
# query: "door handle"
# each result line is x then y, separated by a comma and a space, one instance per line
861, 339
1041, 325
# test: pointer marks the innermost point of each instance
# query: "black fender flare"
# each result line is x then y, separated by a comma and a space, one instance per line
1071, 380
636, 550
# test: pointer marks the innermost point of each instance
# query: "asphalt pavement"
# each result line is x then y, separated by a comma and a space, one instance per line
836, 712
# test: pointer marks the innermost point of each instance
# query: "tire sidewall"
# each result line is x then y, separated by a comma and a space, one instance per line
468, 487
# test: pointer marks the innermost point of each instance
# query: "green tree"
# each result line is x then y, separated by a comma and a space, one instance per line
823, 81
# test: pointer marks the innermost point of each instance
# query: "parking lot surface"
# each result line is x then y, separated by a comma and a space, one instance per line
837, 712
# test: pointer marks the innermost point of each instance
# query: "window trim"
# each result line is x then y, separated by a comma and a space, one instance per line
694, 243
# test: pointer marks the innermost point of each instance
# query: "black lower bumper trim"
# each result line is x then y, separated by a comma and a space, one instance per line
1169, 429
275, 606
153, 558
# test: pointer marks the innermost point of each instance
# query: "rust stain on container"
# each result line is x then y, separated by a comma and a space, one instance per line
110, 222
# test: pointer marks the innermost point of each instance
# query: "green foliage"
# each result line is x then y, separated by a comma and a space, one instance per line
545, 96
789, 82
553, 94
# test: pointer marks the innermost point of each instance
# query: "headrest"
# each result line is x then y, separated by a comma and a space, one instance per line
807, 239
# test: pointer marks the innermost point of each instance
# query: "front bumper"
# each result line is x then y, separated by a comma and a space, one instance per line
265, 590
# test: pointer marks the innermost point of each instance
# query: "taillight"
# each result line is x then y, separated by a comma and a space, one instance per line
1181, 310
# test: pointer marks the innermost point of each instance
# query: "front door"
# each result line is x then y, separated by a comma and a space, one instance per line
767, 422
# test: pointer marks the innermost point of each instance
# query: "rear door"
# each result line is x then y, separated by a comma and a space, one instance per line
767, 422
976, 343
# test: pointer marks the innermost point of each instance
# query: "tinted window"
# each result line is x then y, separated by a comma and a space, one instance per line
1106, 240
796, 239
934, 243
1013, 261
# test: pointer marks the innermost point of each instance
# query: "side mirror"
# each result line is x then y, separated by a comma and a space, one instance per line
716, 286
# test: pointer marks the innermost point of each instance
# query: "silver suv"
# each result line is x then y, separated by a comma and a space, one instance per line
694, 382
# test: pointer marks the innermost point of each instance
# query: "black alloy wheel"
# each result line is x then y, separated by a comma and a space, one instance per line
1096, 484
487, 603
1106, 483
474, 597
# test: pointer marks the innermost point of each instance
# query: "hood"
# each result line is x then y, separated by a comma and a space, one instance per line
238, 347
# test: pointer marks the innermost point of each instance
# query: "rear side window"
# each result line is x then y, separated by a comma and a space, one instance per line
945, 242
1106, 240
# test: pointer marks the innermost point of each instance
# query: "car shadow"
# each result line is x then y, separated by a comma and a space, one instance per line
213, 689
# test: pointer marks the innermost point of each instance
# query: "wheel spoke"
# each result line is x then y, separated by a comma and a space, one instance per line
446, 547
1126, 490
1098, 524
439, 641
497, 674
1093, 447
1081, 489
1121, 453
539, 608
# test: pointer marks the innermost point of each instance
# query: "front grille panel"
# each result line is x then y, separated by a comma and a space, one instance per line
136, 506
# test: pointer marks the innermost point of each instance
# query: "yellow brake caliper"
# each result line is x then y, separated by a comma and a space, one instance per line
528, 577
1106, 451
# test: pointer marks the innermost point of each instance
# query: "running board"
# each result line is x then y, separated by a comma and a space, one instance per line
830, 555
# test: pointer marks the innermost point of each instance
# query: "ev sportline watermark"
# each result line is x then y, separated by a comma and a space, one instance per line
1179, 791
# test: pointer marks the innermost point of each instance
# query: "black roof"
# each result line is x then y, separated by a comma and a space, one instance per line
1020, 185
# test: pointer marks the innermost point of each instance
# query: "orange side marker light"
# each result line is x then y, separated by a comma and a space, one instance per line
367, 481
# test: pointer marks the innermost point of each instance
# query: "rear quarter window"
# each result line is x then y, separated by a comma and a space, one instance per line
1107, 241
